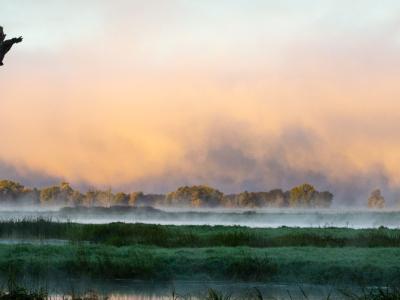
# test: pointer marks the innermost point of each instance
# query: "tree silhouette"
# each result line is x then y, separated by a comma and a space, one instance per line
5, 45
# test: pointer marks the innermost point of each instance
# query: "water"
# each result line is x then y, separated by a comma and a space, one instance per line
55, 242
132, 290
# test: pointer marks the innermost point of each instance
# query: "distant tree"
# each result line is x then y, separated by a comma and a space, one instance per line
121, 199
229, 201
134, 198
49, 195
376, 200
10, 190
98, 198
104, 198
66, 188
30, 197
302, 195
62, 194
76, 198
273, 198
249, 199
90, 197
195, 196
322, 199
152, 200
276, 198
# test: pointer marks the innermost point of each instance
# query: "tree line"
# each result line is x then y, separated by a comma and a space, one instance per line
198, 196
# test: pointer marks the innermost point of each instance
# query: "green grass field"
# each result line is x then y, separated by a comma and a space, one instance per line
155, 252
171, 236
287, 264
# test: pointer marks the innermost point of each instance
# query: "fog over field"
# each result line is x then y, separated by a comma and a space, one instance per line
353, 218
301, 206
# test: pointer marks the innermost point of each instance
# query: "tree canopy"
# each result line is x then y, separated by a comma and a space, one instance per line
304, 195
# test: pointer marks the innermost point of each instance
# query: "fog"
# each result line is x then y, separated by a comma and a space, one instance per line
349, 218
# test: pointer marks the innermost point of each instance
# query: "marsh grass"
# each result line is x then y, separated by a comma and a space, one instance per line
156, 252
380, 293
14, 291
170, 236
213, 294
362, 266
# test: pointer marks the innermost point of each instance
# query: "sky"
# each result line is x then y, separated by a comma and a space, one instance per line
240, 95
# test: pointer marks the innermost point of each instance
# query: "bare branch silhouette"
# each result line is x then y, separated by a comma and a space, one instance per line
5, 45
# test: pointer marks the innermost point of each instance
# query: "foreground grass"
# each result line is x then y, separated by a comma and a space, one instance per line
170, 236
21, 293
295, 264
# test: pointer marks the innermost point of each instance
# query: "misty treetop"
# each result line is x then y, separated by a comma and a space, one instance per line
305, 195
198, 196
376, 200
195, 196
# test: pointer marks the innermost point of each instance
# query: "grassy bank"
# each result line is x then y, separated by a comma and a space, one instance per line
156, 252
170, 236
295, 264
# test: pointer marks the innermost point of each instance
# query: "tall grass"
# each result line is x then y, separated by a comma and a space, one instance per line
381, 293
213, 294
14, 291
303, 264
169, 236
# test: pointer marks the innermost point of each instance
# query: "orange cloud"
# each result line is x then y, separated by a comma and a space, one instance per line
158, 112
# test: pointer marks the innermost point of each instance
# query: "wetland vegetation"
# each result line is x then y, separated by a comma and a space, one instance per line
157, 252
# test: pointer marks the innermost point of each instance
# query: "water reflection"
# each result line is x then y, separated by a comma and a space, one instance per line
132, 290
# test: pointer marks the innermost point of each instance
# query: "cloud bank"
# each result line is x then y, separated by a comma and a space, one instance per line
235, 95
